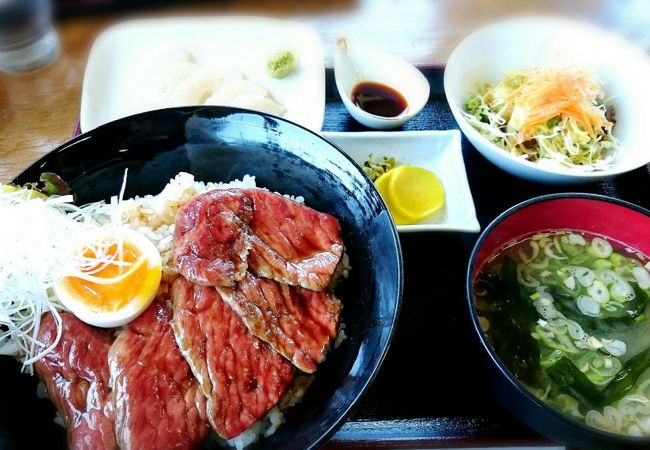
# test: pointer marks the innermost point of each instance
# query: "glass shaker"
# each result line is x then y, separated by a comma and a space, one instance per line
28, 39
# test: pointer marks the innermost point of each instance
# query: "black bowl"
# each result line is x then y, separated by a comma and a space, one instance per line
592, 213
221, 144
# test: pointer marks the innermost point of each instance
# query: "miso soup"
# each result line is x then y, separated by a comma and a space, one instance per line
567, 312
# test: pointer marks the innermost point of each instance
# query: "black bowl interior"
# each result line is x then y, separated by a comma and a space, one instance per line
222, 144
515, 396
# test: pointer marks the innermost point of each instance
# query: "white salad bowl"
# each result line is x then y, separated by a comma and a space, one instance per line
488, 54
355, 63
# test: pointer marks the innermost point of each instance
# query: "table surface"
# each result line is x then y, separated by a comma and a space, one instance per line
39, 111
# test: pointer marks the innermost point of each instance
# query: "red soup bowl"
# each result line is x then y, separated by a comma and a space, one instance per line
593, 214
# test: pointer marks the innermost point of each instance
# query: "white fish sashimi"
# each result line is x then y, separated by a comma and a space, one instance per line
176, 78
196, 87
201, 84
178, 55
258, 103
235, 88
172, 75
169, 67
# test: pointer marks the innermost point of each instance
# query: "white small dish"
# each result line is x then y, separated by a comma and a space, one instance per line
488, 54
438, 151
355, 63
126, 57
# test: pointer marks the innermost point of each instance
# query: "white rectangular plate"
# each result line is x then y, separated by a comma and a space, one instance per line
123, 62
437, 151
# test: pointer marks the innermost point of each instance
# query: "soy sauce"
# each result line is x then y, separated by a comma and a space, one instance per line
378, 99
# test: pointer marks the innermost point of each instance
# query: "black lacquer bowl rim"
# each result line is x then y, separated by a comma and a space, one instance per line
587, 436
220, 111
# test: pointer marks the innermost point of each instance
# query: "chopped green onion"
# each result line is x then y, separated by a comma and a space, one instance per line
376, 169
601, 247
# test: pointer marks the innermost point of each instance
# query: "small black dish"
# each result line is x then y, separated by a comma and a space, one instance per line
221, 144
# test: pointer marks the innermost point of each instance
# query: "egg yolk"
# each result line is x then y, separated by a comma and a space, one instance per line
137, 279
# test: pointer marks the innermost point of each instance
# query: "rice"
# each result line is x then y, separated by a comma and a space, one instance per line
341, 272
263, 427
41, 390
341, 336
59, 420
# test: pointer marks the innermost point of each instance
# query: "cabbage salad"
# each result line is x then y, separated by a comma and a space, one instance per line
547, 116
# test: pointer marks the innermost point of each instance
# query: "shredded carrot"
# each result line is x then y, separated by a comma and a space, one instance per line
549, 93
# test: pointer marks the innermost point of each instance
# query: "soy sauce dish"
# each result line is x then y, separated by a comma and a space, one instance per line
378, 89
558, 293
220, 144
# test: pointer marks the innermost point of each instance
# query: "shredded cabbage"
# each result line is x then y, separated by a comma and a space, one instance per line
547, 115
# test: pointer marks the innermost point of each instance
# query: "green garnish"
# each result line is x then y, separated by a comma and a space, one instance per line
377, 169
53, 184
473, 105
281, 64
552, 122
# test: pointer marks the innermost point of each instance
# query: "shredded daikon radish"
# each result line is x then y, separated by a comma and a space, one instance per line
35, 236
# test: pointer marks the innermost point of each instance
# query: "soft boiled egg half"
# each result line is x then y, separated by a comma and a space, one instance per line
114, 277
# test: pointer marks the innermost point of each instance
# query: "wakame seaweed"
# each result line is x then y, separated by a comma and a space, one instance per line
624, 381
567, 376
514, 319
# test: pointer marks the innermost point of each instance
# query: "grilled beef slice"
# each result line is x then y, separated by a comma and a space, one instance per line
222, 233
292, 243
298, 323
77, 379
240, 375
211, 240
158, 403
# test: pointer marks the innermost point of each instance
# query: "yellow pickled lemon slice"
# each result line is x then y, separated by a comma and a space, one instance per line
416, 193
411, 193
382, 182
382, 186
